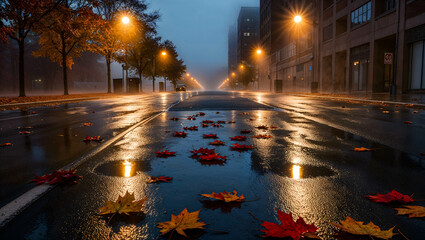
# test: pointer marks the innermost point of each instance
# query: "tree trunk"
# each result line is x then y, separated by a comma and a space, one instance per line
140, 83
21, 68
153, 83
165, 84
108, 69
65, 77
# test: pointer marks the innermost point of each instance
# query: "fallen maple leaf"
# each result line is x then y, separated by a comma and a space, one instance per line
6, 144
217, 113
207, 121
231, 122
60, 176
204, 125
246, 131
263, 127
165, 154
94, 138
125, 204
25, 132
358, 228
87, 124
210, 135
180, 134
217, 143
392, 196
216, 125
201, 114
238, 138
362, 149
412, 211
385, 111
193, 128
415, 112
33, 113
185, 220
191, 118
174, 119
262, 136
208, 156
244, 113
241, 147
159, 179
221, 122
407, 122
273, 127
202, 151
289, 227
212, 157
226, 196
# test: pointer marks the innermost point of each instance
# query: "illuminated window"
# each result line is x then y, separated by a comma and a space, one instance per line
361, 15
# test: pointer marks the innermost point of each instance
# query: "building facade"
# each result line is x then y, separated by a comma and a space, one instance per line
232, 49
248, 34
348, 46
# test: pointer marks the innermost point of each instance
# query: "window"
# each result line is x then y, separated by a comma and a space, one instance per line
247, 34
361, 15
327, 32
384, 6
417, 65
341, 25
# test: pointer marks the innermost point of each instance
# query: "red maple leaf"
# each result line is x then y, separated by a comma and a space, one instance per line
211, 157
165, 154
245, 131
193, 128
60, 176
221, 122
407, 122
210, 135
94, 138
160, 179
217, 143
174, 119
191, 118
273, 127
33, 113
180, 134
25, 132
216, 125
201, 114
288, 227
205, 125
231, 122
241, 147
238, 138
202, 151
6, 144
207, 121
263, 127
392, 196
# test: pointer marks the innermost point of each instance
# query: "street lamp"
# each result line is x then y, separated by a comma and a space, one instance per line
297, 19
259, 53
242, 66
125, 20
164, 53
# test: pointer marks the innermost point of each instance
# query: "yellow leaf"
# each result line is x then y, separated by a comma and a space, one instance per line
412, 211
126, 205
358, 228
185, 220
226, 196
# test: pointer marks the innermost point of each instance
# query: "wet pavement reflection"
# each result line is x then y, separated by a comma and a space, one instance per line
306, 167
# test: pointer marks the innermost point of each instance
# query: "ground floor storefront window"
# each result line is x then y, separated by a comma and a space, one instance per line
417, 66
359, 68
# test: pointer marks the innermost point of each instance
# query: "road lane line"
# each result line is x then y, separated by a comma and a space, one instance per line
15, 207
32, 115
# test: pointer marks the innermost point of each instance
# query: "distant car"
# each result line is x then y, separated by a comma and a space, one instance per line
180, 87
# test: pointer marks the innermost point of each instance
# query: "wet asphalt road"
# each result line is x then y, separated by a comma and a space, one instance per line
308, 167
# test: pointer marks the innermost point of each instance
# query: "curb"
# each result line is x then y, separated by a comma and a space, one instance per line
50, 101
365, 100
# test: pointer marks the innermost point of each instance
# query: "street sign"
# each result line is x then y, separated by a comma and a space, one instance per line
388, 58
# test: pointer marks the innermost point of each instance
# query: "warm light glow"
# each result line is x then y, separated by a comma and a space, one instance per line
191, 78
242, 66
187, 74
233, 74
296, 172
125, 20
259, 52
297, 19
164, 53
127, 168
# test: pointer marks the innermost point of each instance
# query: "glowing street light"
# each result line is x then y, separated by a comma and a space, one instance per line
259, 52
187, 74
233, 74
297, 19
163, 53
242, 66
125, 20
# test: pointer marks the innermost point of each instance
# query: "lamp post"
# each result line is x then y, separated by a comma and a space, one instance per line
259, 52
125, 20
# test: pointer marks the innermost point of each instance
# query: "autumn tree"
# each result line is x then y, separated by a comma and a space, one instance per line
17, 20
113, 36
172, 68
65, 33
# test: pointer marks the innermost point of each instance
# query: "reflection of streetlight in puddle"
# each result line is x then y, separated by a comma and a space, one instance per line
127, 168
296, 172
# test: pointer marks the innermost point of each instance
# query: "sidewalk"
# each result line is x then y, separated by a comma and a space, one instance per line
410, 100
16, 102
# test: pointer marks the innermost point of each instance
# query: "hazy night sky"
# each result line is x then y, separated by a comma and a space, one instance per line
199, 30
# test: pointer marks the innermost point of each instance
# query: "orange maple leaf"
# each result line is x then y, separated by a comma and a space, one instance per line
358, 228
412, 211
125, 204
185, 220
226, 196
362, 149
262, 136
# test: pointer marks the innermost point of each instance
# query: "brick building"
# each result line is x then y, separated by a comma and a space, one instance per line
348, 46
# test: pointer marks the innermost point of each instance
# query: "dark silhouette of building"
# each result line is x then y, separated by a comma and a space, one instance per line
232, 49
248, 34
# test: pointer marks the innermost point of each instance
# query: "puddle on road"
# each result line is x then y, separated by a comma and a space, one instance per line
119, 168
303, 171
